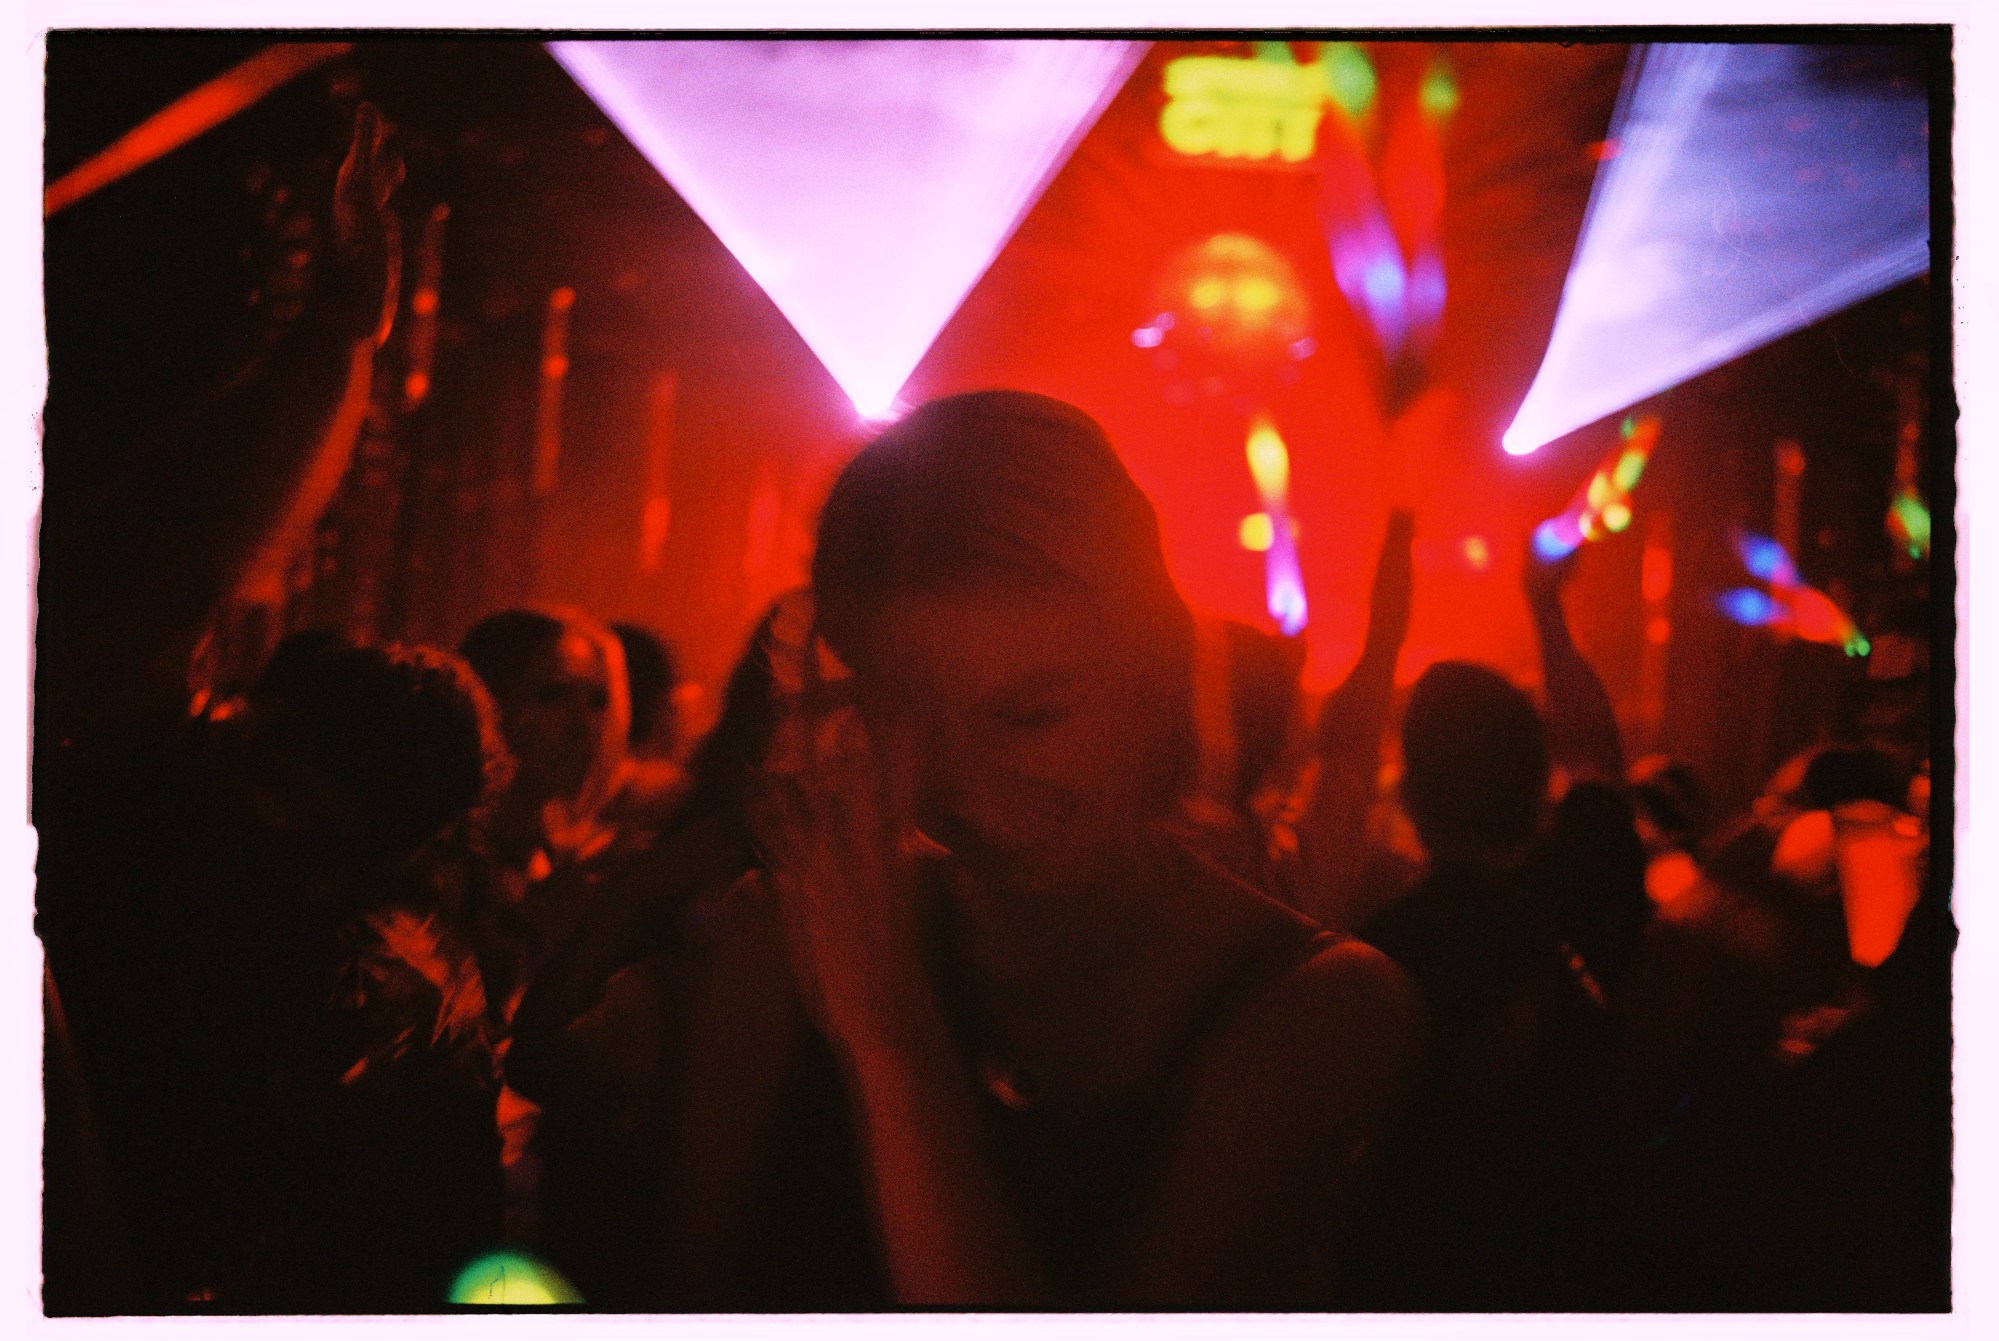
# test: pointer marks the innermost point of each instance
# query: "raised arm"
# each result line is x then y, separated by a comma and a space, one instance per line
1351, 722
1582, 726
219, 497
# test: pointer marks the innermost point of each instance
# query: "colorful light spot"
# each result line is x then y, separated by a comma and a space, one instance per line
1766, 560
1350, 77
1256, 532
1909, 523
1440, 92
1747, 606
1557, 538
512, 1280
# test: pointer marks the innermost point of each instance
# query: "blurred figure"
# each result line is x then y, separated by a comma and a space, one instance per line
1477, 1206
1248, 723
287, 1037
1519, 935
984, 1034
577, 808
599, 1039
1671, 810
575, 818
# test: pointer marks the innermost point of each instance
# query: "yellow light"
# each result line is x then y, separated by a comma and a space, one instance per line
1256, 293
511, 1280
1209, 293
1245, 109
1617, 516
1256, 533
1269, 462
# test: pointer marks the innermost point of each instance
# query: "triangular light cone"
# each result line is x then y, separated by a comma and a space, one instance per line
866, 185
1753, 190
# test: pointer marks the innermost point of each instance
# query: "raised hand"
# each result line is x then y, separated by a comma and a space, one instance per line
835, 820
367, 236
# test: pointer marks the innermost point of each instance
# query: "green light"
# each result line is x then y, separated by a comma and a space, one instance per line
1913, 520
1274, 51
1857, 644
1350, 76
512, 1280
1440, 92
1628, 427
1629, 469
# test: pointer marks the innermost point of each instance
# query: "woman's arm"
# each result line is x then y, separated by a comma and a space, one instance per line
1351, 722
950, 1230
846, 884
219, 500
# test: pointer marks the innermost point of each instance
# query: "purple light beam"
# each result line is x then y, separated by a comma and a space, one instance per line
865, 185
1756, 189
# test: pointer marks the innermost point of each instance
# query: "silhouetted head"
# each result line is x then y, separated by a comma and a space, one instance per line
1475, 763
378, 747
1838, 774
558, 677
652, 675
994, 579
724, 763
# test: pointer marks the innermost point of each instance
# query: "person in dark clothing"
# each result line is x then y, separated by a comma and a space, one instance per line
286, 1040
1517, 935
1473, 1208
599, 1039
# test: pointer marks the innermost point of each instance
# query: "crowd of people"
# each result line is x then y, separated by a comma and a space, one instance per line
1016, 938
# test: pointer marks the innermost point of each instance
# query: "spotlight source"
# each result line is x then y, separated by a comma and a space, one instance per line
866, 186
1754, 189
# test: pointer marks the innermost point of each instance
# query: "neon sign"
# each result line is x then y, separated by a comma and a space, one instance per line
1231, 107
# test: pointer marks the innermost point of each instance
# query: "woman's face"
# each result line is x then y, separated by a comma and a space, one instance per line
555, 720
1036, 736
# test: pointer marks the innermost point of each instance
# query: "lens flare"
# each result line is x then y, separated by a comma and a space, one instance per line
512, 1280
1349, 76
1755, 189
866, 186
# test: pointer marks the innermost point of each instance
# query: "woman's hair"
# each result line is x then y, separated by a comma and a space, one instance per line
728, 757
1005, 486
651, 675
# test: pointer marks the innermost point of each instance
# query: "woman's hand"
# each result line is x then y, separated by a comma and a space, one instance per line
836, 823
